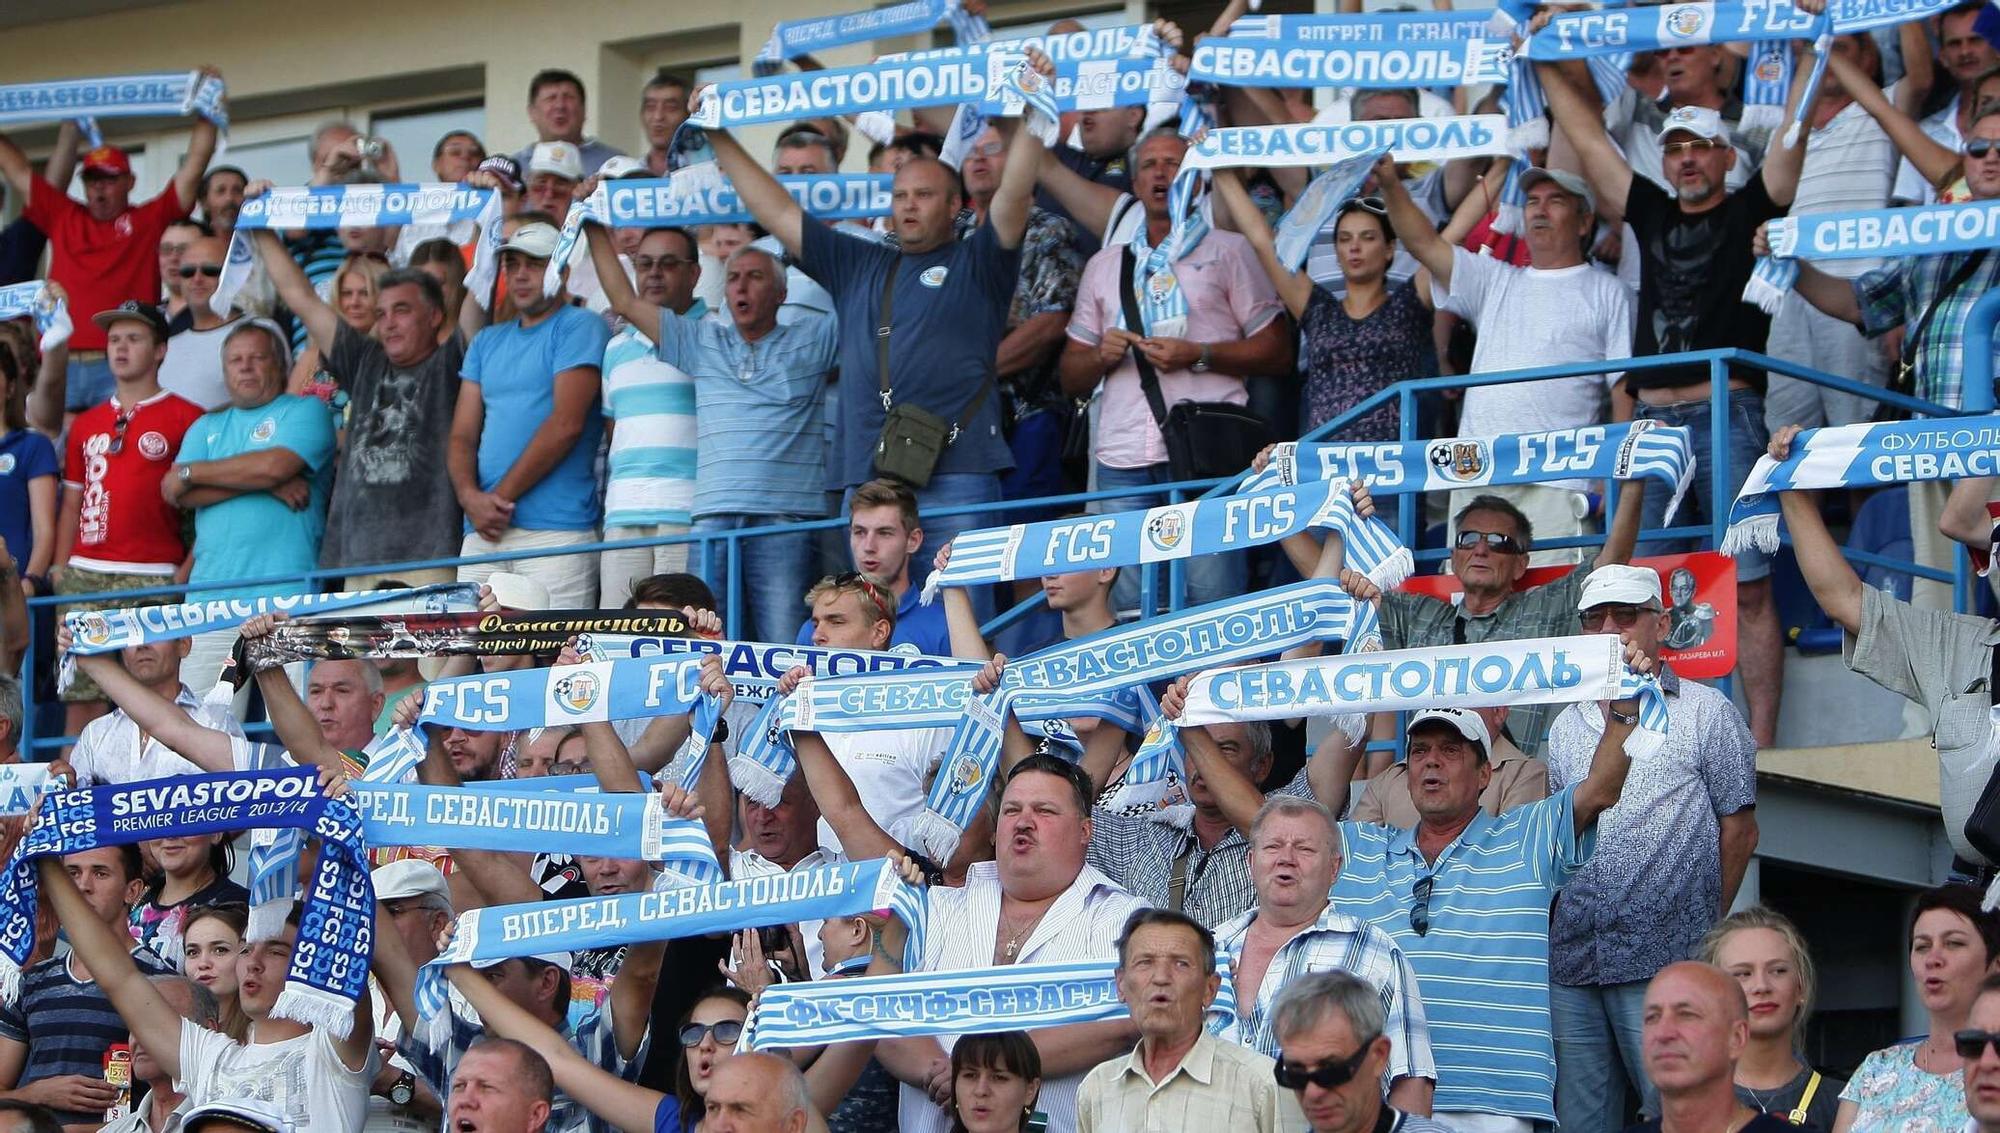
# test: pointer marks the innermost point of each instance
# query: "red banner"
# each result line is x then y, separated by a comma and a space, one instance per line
1700, 590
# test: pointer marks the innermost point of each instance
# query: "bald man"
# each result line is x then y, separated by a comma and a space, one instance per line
757, 1093
1696, 1024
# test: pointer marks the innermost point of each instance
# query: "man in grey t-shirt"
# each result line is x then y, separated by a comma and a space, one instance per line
393, 498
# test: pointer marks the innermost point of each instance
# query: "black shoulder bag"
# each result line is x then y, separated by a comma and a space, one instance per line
1904, 380
1982, 826
1205, 440
913, 439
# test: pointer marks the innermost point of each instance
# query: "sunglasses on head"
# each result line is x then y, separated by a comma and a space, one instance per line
1624, 617
1329, 1075
855, 580
1365, 204
1494, 540
212, 271
1981, 147
726, 1032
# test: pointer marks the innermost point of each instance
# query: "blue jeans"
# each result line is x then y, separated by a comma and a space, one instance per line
776, 571
1747, 440
1210, 578
89, 383
1597, 1032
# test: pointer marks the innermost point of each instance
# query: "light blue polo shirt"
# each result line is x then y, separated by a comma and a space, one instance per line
1484, 965
515, 369
255, 534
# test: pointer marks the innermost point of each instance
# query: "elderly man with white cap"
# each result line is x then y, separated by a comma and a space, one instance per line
1673, 851
1465, 895
525, 433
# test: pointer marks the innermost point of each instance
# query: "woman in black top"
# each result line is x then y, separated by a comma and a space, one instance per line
1768, 957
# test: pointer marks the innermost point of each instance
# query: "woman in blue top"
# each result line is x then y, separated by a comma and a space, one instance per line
28, 469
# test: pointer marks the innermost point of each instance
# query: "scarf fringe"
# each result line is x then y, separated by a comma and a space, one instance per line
755, 780
1394, 570
935, 837
1756, 533
315, 1008
1532, 134
267, 919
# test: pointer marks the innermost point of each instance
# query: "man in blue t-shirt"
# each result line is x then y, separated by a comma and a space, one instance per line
524, 438
948, 314
257, 471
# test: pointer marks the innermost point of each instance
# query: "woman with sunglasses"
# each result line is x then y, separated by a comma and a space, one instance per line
994, 1082
354, 301
1767, 956
1954, 944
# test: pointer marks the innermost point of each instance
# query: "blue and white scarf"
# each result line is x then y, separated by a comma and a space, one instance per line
329, 965
966, 1001
1625, 451
1860, 456
1366, 27
844, 889
1086, 84
22, 786
1122, 40
1526, 107
1172, 531
590, 693
108, 631
1244, 62
686, 198
1554, 670
1156, 287
793, 38
165, 94
1767, 80
33, 300
1923, 230
525, 815
1309, 144
885, 84
754, 668
323, 207
1607, 31
1316, 207
1864, 15
1220, 633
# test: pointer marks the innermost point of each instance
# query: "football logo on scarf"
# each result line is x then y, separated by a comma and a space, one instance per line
1769, 68
577, 692
1463, 461
94, 630
1685, 22
1166, 530
965, 774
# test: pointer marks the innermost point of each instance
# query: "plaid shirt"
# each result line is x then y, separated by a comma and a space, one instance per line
1413, 621
1336, 940
1138, 852
1899, 294
435, 1055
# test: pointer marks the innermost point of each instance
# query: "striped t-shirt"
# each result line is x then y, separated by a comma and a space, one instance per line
67, 1025
650, 473
1483, 966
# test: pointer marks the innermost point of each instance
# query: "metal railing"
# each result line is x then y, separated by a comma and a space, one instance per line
1171, 584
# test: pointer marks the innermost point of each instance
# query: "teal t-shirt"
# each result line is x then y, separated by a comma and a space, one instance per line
256, 534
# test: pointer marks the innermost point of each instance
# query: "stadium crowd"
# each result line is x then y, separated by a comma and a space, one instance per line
1511, 924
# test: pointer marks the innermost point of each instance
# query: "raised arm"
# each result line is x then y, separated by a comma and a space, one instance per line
1830, 294
1581, 123
107, 953
1937, 163
618, 290
861, 837
321, 321
290, 718
201, 147
1833, 583
1294, 287
1087, 202
618, 1102
760, 192
15, 168
1414, 230
1782, 163
1623, 536
156, 716
1008, 214
1600, 788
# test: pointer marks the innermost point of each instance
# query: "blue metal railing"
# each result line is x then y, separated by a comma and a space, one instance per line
1173, 586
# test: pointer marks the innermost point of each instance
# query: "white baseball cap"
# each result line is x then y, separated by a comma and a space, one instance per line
1621, 585
403, 880
618, 165
249, 1113
561, 960
1700, 121
562, 159
518, 591
1463, 721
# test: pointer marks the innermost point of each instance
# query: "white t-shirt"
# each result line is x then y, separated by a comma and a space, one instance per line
193, 366
108, 749
1529, 317
304, 1077
1847, 167
1941, 128
888, 769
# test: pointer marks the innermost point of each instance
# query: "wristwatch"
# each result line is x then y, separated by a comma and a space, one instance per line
721, 733
1622, 718
404, 1089
187, 472
1201, 364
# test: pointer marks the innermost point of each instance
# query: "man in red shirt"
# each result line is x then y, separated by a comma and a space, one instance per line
101, 249
117, 531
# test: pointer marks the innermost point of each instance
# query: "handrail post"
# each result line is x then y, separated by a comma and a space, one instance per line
1977, 368
1407, 511
1720, 493
25, 742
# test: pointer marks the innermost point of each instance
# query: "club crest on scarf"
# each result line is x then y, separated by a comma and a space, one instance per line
578, 691
1166, 530
1461, 460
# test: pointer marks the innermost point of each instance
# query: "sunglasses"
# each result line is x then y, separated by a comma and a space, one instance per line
1981, 147
212, 271
644, 264
1504, 544
726, 1033
855, 580
1693, 145
1624, 617
1329, 1075
1365, 204
1973, 1043
1420, 913
118, 426
987, 149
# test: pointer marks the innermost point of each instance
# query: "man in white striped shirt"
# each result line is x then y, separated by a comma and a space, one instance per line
1037, 903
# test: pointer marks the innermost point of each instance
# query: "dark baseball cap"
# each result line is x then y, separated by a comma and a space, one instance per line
505, 168
137, 312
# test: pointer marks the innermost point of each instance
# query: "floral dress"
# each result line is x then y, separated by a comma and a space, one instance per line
1892, 1095
1348, 359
